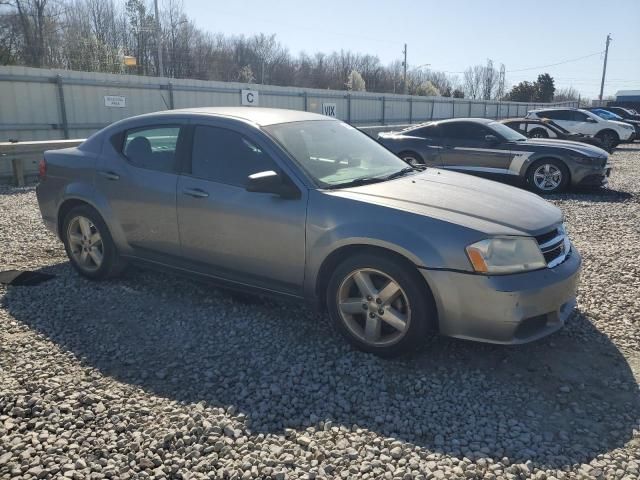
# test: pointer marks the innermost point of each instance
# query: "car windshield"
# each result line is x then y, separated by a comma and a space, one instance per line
336, 154
506, 132
607, 115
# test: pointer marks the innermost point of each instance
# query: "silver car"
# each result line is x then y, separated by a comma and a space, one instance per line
300, 205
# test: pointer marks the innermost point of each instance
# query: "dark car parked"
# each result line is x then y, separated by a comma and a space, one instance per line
489, 148
545, 128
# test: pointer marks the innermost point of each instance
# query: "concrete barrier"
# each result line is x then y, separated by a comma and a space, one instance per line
19, 161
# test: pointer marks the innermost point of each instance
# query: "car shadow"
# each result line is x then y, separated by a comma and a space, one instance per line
557, 402
591, 194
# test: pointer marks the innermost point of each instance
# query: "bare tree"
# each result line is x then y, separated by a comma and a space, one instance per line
472, 79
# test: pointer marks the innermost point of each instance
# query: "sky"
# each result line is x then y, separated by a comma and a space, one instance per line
453, 35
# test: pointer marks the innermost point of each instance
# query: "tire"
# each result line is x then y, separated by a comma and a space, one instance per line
609, 138
538, 133
101, 259
412, 158
555, 176
398, 324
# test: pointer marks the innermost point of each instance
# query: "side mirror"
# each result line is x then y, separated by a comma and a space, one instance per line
272, 182
591, 120
491, 139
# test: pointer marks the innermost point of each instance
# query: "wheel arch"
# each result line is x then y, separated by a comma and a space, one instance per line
413, 153
341, 253
608, 130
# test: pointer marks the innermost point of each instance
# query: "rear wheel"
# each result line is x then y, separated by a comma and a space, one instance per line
609, 139
548, 176
379, 305
89, 245
538, 133
412, 158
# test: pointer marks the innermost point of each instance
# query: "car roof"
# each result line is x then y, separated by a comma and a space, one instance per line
482, 121
520, 119
554, 108
258, 115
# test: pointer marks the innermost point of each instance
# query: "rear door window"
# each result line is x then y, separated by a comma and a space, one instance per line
464, 132
153, 148
557, 114
425, 132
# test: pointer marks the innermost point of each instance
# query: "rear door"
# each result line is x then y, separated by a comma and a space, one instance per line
247, 237
138, 176
465, 148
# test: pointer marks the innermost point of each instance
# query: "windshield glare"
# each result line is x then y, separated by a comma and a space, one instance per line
508, 133
607, 115
335, 153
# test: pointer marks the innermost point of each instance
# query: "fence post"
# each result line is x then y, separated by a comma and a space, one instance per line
63, 108
433, 107
171, 106
485, 109
469, 109
306, 105
384, 100
348, 108
410, 110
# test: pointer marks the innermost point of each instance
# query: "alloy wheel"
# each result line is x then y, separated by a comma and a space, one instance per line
547, 177
85, 243
374, 307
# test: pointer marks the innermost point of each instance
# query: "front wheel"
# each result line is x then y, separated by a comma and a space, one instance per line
609, 139
380, 305
89, 245
548, 176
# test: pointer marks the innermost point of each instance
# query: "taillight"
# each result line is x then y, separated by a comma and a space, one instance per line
42, 168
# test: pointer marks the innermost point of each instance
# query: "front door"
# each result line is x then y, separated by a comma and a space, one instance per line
252, 238
465, 148
138, 177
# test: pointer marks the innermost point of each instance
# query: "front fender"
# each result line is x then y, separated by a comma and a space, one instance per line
334, 223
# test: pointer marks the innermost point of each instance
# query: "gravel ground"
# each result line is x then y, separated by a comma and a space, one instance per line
156, 376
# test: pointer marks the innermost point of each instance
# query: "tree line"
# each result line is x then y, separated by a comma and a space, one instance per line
96, 35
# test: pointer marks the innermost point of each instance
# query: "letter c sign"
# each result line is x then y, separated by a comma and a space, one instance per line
250, 97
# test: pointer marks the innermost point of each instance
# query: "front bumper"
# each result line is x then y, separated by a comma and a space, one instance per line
590, 176
506, 309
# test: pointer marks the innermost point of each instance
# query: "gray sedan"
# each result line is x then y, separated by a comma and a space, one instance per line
307, 207
489, 148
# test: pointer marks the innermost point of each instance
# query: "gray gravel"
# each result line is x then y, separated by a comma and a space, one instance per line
156, 376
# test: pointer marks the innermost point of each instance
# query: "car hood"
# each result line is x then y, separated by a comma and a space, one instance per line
483, 205
578, 147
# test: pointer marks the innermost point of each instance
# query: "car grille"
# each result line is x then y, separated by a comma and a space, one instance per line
555, 247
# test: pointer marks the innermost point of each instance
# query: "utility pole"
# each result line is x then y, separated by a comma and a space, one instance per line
604, 67
158, 40
404, 64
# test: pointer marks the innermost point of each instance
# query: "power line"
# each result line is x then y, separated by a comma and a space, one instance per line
555, 64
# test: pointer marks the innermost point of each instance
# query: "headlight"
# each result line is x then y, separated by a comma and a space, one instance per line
585, 160
501, 255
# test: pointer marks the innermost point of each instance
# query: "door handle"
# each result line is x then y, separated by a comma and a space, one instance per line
195, 193
109, 175
447, 147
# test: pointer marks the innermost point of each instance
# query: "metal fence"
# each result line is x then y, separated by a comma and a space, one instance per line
43, 104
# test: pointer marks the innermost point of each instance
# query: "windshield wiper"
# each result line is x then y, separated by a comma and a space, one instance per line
400, 173
357, 182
